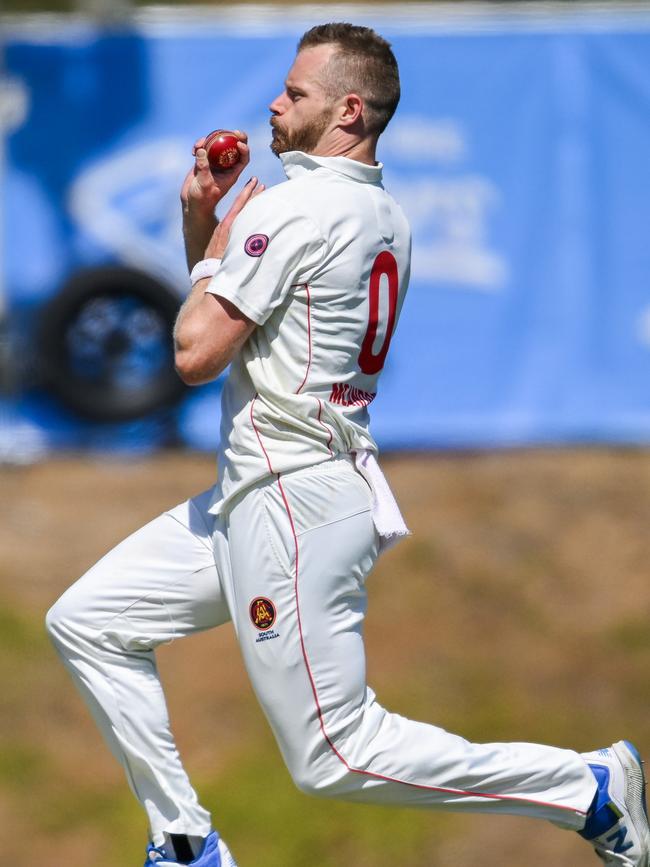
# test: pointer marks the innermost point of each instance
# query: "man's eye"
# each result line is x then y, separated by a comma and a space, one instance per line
293, 96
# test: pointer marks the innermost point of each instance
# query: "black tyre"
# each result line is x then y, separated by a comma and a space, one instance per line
107, 346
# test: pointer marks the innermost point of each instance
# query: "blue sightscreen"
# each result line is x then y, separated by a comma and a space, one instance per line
520, 156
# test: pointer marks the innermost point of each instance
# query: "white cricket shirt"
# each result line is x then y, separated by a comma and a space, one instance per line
321, 263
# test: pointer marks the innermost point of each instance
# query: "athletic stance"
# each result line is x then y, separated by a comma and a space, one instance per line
300, 288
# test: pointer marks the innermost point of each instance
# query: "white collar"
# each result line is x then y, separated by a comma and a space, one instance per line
297, 163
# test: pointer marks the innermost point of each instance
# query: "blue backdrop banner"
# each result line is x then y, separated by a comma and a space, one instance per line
519, 153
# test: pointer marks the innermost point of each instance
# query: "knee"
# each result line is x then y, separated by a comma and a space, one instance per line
60, 622
329, 782
309, 784
55, 622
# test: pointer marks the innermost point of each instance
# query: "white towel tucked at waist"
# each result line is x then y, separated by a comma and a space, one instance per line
387, 517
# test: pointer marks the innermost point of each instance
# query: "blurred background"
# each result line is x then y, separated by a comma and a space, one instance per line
514, 412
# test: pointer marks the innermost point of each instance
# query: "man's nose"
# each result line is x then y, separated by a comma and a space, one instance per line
277, 105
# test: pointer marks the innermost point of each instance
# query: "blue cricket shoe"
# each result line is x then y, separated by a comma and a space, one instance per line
214, 853
617, 824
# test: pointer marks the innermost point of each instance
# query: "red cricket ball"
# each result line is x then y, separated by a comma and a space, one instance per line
222, 149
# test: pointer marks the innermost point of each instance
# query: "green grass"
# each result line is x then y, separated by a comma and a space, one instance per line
255, 803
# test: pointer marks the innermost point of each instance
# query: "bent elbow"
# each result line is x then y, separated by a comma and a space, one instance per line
188, 378
189, 369
192, 370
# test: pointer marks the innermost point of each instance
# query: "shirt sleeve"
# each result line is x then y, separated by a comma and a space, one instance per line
271, 248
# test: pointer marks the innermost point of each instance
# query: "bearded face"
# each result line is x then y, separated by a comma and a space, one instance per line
304, 137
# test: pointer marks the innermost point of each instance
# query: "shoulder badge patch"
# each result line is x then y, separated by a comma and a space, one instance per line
256, 244
262, 613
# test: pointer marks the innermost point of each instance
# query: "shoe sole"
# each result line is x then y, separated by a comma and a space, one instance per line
633, 767
636, 756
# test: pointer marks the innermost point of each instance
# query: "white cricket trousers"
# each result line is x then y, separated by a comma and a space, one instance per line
287, 565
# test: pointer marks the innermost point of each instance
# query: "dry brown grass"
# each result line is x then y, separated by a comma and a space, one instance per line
518, 611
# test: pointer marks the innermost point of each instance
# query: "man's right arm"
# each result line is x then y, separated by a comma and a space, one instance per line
197, 232
201, 192
210, 330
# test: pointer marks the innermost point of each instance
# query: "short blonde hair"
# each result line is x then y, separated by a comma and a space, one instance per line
363, 63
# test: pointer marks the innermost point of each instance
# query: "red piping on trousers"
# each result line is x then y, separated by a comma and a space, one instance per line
319, 710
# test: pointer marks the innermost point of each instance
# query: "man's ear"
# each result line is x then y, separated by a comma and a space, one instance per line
351, 109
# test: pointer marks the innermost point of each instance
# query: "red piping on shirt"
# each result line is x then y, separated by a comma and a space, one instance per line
306, 287
309, 357
324, 426
259, 438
